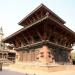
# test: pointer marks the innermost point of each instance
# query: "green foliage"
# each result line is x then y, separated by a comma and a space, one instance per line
73, 56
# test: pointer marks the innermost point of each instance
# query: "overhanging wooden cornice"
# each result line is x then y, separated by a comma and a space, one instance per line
64, 27
23, 29
41, 43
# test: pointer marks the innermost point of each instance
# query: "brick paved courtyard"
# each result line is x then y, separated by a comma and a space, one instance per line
8, 72
15, 71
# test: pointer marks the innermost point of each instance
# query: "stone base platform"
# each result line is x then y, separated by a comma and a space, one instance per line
41, 67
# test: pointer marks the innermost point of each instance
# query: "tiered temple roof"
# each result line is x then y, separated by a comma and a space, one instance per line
41, 13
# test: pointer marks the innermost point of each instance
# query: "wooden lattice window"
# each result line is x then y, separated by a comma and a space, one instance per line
49, 52
42, 56
49, 56
37, 57
41, 52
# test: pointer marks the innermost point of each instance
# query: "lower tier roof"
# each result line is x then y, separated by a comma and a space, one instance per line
69, 31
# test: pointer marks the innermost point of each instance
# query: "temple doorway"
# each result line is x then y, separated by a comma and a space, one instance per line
60, 55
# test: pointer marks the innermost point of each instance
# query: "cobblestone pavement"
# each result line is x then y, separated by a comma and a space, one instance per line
7, 72
14, 71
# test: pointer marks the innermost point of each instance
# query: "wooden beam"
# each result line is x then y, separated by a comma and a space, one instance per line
39, 35
30, 37
25, 38
30, 21
27, 22
18, 38
33, 18
41, 14
50, 33
37, 17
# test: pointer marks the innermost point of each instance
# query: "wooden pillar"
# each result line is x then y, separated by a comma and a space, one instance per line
0, 54
69, 57
19, 56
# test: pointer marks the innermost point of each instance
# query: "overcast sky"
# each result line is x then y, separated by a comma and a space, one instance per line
12, 11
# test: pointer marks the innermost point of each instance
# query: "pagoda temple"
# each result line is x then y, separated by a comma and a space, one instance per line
44, 38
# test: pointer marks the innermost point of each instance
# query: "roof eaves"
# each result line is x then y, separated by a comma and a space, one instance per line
23, 29
30, 13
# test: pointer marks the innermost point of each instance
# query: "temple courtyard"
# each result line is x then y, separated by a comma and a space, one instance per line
11, 72
52, 70
7, 72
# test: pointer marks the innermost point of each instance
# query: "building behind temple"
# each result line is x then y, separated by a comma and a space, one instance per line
2, 45
6, 53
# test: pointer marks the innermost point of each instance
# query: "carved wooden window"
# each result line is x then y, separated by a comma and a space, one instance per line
49, 52
42, 55
37, 57
49, 56
41, 52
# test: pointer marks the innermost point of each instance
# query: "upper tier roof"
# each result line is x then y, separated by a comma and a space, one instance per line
41, 7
